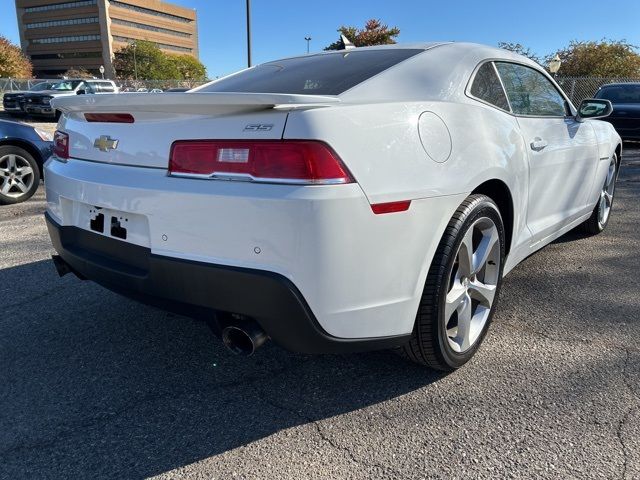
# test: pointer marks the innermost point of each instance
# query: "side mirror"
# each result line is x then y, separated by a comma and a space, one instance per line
81, 92
594, 108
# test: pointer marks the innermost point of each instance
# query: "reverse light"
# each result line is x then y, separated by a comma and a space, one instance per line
61, 145
277, 161
391, 207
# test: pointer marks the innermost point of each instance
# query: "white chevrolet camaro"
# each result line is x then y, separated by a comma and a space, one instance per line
343, 201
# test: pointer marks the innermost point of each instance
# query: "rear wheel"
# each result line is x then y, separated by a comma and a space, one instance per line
599, 218
461, 290
19, 175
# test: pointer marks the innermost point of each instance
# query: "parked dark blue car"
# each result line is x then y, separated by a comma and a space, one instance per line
23, 151
625, 98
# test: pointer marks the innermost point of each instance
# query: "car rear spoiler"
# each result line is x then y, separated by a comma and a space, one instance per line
189, 102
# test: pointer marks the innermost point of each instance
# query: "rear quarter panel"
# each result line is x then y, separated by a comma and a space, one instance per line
380, 144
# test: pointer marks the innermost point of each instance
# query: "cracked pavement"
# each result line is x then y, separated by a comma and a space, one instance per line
97, 386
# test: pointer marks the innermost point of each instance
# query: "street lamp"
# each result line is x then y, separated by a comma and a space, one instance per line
554, 65
135, 62
248, 33
308, 39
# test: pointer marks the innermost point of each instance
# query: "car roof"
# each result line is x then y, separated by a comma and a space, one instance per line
439, 73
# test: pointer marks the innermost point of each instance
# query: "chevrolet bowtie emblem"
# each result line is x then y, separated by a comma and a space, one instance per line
105, 143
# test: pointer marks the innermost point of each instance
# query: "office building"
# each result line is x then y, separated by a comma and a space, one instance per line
59, 35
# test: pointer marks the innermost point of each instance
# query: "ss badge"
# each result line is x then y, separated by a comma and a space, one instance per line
258, 127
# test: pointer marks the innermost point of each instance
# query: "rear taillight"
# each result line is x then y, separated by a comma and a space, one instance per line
280, 161
61, 145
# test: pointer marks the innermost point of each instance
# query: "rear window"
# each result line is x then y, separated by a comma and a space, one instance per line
103, 87
620, 94
325, 74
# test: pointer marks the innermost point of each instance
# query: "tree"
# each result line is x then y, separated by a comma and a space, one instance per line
13, 63
144, 60
188, 67
373, 33
520, 50
76, 72
606, 58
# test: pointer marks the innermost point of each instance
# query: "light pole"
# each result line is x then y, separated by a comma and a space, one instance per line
248, 33
135, 62
308, 39
554, 65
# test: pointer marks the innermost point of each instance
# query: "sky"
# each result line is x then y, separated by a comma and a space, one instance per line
280, 26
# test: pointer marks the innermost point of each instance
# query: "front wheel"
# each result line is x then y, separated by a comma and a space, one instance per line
599, 218
19, 175
461, 289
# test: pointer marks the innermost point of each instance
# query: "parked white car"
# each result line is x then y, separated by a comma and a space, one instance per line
351, 200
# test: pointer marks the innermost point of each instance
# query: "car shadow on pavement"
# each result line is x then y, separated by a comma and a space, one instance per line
95, 385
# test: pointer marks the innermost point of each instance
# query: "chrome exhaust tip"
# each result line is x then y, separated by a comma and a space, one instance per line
244, 339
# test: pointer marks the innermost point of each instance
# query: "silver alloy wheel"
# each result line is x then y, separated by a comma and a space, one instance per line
16, 176
472, 285
606, 195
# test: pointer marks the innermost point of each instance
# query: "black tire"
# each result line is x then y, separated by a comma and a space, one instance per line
594, 224
429, 344
56, 115
13, 195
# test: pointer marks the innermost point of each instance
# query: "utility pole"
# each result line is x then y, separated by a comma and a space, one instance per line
248, 33
308, 39
135, 62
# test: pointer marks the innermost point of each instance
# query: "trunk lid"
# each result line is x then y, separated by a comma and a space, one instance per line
161, 119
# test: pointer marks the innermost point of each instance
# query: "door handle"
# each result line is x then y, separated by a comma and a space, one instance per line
538, 144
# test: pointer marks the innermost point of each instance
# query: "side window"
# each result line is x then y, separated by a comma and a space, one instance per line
105, 87
87, 87
530, 92
486, 86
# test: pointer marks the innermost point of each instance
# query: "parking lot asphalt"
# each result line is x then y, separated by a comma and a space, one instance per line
97, 386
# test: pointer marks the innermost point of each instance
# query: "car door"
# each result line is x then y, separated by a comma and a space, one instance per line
562, 152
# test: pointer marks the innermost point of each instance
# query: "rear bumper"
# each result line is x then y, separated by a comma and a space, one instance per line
189, 286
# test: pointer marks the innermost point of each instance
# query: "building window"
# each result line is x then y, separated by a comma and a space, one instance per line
149, 11
72, 55
59, 6
61, 23
142, 26
71, 38
160, 45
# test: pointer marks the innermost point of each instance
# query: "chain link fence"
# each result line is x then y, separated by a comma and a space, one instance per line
17, 84
576, 88
579, 88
